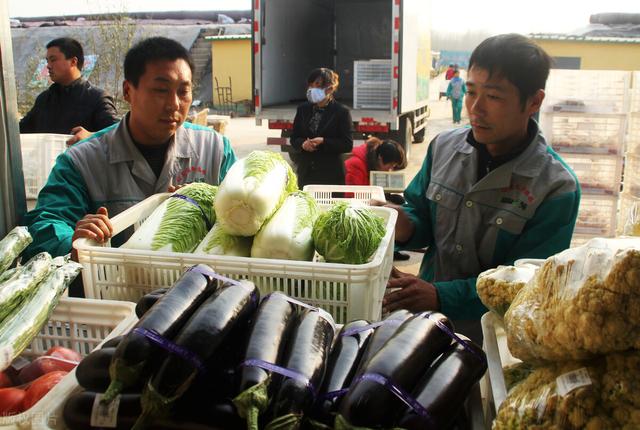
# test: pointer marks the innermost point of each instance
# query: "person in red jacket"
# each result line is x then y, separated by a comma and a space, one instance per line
375, 154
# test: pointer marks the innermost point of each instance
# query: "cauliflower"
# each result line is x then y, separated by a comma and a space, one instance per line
610, 400
582, 302
498, 287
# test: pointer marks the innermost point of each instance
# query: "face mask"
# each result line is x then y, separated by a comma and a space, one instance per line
316, 95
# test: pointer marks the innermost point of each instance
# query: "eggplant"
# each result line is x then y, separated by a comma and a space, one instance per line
148, 300
201, 337
92, 372
342, 364
402, 361
382, 334
113, 342
444, 388
306, 355
78, 408
267, 339
130, 361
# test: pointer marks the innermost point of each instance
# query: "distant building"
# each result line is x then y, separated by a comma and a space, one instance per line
610, 42
231, 67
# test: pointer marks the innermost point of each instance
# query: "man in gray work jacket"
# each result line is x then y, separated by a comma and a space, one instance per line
487, 195
151, 150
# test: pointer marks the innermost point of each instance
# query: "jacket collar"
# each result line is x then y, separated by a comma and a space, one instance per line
181, 145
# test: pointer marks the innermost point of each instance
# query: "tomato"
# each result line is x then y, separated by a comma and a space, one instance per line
11, 401
41, 386
43, 365
62, 352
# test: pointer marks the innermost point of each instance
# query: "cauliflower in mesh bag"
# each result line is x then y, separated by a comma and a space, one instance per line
498, 287
582, 302
600, 394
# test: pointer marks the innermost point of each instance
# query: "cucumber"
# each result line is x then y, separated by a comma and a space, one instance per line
18, 331
402, 360
22, 284
133, 355
203, 336
12, 245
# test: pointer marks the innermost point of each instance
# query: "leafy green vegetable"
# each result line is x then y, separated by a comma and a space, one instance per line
287, 234
348, 234
23, 283
178, 224
252, 191
12, 245
217, 242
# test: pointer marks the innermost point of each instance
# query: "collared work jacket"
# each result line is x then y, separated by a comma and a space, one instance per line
108, 170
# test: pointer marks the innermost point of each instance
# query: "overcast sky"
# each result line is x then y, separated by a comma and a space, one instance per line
496, 16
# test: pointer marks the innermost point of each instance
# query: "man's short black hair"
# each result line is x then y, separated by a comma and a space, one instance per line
153, 49
516, 58
70, 48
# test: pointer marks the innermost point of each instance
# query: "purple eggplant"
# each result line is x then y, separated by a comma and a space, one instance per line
130, 361
401, 362
306, 356
205, 334
343, 362
266, 342
444, 388
382, 334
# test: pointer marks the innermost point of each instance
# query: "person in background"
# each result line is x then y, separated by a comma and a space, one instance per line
71, 105
321, 132
151, 150
486, 195
448, 74
381, 155
375, 154
455, 92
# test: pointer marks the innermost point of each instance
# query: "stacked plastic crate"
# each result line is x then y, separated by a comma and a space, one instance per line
584, 118
630, 196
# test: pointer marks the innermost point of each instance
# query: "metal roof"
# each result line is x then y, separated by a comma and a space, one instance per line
581, 38
229, 37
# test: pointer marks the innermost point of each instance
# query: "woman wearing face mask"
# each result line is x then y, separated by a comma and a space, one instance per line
375, 154
321, 132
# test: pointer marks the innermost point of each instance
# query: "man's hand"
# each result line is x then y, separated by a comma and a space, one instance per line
404, 226
93, 226
309, 146
317, 141
173, 188
414, 294
79, 133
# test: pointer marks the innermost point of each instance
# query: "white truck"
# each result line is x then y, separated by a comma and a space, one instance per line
381, 50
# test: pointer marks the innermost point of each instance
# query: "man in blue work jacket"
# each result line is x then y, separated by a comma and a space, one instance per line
151, 150
487, 195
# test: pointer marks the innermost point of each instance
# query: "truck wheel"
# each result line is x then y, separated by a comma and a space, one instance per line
419, 136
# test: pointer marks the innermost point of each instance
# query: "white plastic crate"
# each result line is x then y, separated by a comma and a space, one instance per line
584, 133
633, 134
635, 93
595, 91
627, 202
631, 183
597, 174
347, 291
597, 215
78, 324
494, 344
389, 181
328, 194
372, 84
39, 153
